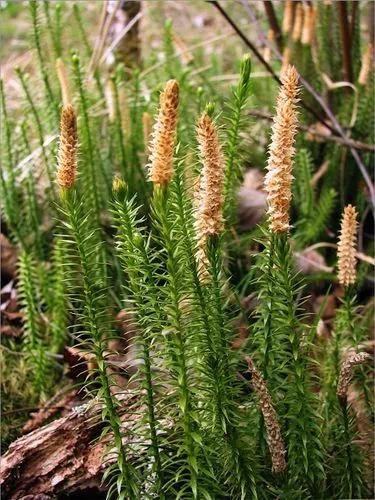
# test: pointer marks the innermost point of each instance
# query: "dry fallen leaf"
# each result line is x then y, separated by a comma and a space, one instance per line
11, 317
253, 179
329, 310
252, 202
80, 363
239, 340
9, 257
10, 331
310, 261
317, 132
322, 330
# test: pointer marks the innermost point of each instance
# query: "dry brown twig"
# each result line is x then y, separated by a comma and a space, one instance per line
349, 143
359, 255
273, 23
345, 39
105, 24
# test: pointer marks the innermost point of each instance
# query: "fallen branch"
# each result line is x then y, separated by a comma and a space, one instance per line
272, 19
259, 56
345, 40
336, 128
349, 143
59, 457
64, 456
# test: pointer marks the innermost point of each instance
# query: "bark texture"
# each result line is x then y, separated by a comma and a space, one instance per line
63, 456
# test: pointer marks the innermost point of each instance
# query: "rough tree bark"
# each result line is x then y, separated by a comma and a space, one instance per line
63, 456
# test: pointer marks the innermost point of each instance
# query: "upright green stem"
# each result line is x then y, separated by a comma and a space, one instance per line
54, 38
42, 65
178, 354
233, 171
59, 315
268, 323
300, 416
348, 448
31, 201
90, 149
221, 341
136, 141
33, 345
349, 304
8, 183
11, 212
131, 245
264, 341
39, 128
88, 49
8, 140
95, 329
126, 172
58, 9
241, 467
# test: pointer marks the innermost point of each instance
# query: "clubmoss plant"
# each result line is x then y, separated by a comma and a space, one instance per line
278, 180
237, 471
237, 105
126, 169
281, 329
209, 216
346, 373
176, 344
40, 131
132, 247
347, 248
54, 28
340, 362
32, 209
219, 384
9, 191
33, 342
68, 148
89, 172
348, 455
59, 307
63, 80
95, 328
164, 136
34, 7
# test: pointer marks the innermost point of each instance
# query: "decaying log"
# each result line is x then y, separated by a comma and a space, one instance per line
63, 456
56, 406
67, 455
